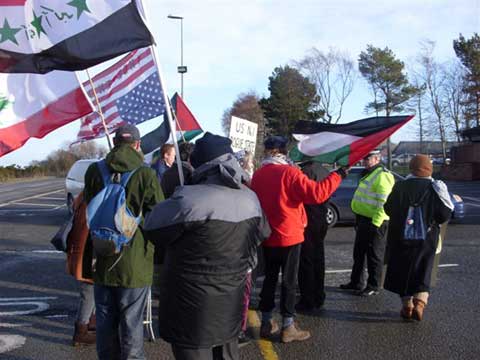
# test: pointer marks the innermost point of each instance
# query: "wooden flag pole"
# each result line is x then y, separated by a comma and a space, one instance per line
100, 112
177, 122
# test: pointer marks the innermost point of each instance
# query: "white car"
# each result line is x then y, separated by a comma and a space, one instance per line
75, 181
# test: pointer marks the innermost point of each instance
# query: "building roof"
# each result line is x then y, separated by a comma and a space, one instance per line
427, 147
472, 134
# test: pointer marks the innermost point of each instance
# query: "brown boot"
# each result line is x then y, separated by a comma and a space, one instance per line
267, 329
81, 336
293, 333
406, 312
92, 323
418, 309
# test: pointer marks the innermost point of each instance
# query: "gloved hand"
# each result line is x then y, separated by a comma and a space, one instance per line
343, 171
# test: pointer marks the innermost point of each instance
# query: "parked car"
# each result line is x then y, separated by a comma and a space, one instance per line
339, 209
75, 181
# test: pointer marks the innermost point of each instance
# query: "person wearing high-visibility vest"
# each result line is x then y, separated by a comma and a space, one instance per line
371, 194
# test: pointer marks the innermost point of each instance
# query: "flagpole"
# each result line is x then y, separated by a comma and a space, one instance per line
100, 112
165, 98
177, 122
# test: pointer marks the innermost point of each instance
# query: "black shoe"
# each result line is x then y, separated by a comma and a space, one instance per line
351, 286
368, 292
243, 339
304, 308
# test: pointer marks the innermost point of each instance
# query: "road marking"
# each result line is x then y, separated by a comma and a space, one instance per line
39, 306
53, 198
35, 204
47, 251
470, 198
56, 316
342, 271
11, 342
448, 265
8, 325
30, 197
266, 347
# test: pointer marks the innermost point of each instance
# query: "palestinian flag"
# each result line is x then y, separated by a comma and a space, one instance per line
32, 105
38, 36
187, 127
344, 144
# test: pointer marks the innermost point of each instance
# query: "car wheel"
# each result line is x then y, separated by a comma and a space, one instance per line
395, 163
332, 216
70, 204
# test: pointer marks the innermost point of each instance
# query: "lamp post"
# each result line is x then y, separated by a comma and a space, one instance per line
181, 69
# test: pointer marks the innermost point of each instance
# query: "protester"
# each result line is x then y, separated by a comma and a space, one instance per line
311, 273
411, 258
211, 230
165, 160
283, 190
171, 179
371, 225
122, 281
79, 266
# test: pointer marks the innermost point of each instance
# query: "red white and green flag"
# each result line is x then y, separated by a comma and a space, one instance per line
38, 36
32, 105
344, 144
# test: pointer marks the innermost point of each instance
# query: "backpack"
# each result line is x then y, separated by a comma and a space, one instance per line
111, 223
415, 227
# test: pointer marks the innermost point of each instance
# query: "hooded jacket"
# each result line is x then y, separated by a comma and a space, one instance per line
283, 190
211, 230
135, 268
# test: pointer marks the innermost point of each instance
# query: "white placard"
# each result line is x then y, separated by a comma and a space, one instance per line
243, 134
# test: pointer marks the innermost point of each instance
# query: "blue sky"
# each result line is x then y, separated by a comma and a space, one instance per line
231, 47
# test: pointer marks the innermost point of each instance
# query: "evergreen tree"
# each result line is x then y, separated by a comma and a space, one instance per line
292, 97
468, 51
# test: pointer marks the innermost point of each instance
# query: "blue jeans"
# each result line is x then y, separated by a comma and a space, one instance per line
120, 313
86, 303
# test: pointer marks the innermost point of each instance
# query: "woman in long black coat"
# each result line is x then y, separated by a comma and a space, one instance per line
410, 262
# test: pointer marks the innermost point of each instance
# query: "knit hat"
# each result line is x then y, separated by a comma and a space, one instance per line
421, 166
209, 147
275, 142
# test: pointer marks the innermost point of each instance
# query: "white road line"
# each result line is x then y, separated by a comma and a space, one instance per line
34, 204
30, 197
8, 325
56, 316
47, 251
448, 265
342, 271
471, 198
53, 198
29, 298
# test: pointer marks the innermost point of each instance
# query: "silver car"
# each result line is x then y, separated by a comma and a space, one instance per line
75, 181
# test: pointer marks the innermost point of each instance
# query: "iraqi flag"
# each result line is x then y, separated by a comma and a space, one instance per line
32, 105
344, 144
38, 36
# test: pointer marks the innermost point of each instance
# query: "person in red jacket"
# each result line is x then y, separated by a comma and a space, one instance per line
283, 189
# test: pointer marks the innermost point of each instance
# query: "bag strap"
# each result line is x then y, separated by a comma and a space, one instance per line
422, 198
104, 172
126, 177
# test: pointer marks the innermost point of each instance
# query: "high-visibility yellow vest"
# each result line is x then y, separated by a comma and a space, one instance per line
371, 194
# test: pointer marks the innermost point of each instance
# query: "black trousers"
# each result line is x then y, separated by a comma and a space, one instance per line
286, 259
311, 274
228, 351
370, 244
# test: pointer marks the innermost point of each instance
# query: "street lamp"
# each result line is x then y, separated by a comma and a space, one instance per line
181, 69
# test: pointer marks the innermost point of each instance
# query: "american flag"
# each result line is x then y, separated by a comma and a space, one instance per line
128, 92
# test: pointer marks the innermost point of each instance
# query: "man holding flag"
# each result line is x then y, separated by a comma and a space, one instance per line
373, 189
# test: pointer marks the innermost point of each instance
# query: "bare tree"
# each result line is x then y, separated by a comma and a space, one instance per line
247, 107
334, 75
433, 76
88, 150
455, 95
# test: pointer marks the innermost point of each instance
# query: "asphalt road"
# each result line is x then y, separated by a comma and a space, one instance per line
38, 300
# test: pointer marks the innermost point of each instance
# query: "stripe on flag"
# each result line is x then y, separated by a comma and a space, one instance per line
128, 91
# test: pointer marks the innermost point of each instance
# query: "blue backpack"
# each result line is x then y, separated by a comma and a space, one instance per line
415, 228
111, 223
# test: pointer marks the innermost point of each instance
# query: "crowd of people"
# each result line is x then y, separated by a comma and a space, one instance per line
205, 239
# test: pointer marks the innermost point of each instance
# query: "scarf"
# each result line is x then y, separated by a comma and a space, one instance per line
277, 159
440, 188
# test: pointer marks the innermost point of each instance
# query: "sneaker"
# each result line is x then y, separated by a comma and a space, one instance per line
293, 333
367, 292
351, 286
267, 329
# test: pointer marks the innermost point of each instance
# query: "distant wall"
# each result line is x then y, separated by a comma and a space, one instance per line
465, 164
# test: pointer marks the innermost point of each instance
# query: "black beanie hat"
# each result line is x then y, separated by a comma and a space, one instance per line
209, 147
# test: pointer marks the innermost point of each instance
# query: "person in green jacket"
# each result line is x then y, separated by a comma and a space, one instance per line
373, 189
122, 281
